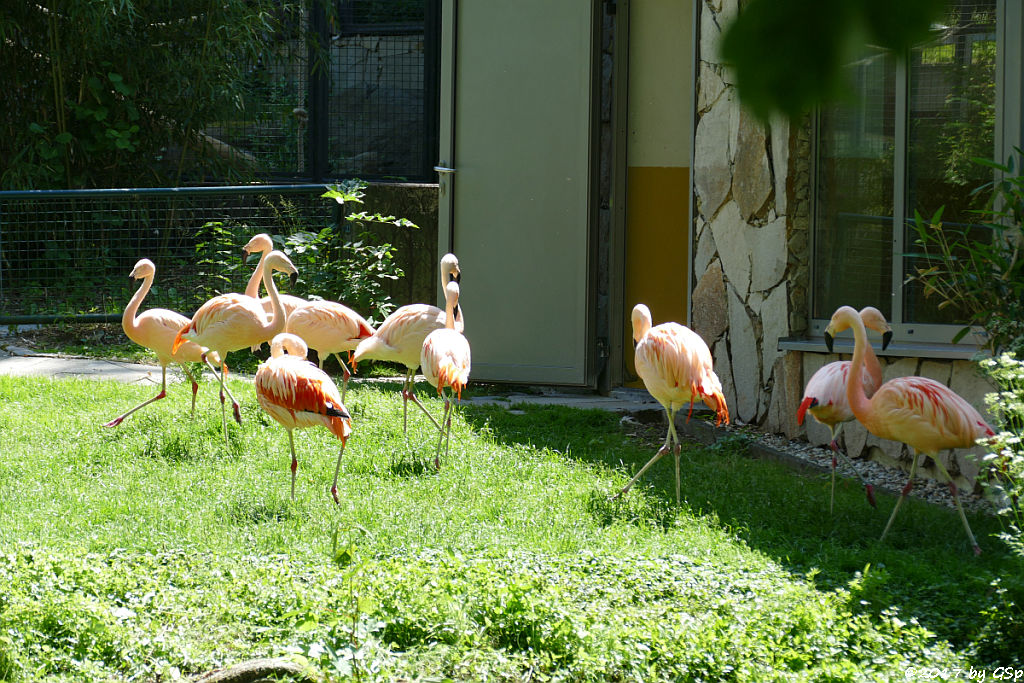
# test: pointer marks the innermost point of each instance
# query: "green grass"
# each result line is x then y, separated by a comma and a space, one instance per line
154, 548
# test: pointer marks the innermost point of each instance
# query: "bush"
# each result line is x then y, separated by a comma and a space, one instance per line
979, 268
1005, 460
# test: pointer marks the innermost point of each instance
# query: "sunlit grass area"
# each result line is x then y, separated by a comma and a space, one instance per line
156, 548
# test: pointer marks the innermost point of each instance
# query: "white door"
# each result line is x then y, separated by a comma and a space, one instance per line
517, 112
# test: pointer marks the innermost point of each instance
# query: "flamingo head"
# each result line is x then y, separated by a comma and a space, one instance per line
259, 244
144, 268
450, 271
841, 320
288, 343
807, 403
276, 260
874, 320
642, 322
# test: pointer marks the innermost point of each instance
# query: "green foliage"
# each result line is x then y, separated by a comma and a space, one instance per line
788, 55
979, 268
346, 262
1004, 463
106, 93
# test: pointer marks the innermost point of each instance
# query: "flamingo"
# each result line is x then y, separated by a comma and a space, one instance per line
230, 322
926, 415
825, 395
262, 244
155, 329
297, 394
400, 337
330, 327
676, 367
445, 359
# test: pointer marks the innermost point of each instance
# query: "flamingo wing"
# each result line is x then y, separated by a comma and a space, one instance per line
676, 367
925, 414
297, 394
227, 322
445, 360
400, 337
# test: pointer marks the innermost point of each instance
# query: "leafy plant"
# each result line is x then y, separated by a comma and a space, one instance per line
979, 267
1005, 459
344, 261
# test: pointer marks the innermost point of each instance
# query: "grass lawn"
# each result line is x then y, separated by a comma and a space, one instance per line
153, 550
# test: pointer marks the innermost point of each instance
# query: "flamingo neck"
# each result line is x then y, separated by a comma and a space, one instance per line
873, 366
277, 321
449, 314
253, 287
859, 403
128, 322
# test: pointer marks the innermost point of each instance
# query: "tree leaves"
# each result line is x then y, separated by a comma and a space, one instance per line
788, 55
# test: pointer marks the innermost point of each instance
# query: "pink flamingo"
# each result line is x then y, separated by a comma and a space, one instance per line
676, 367
155, 329
825, 395
399, 338
230, 322
330, 327
262, 244
297, 394
445, 359
920, 412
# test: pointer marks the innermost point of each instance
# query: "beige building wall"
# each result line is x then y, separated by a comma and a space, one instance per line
659, 148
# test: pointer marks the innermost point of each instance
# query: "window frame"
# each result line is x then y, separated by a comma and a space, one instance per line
1009, 132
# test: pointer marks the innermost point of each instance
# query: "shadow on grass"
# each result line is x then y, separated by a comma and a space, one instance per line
925, 568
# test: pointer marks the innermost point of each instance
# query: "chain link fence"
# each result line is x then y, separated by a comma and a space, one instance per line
67, 254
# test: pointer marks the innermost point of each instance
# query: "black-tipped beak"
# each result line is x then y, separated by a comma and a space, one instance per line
828, 341
293, 278
886, 338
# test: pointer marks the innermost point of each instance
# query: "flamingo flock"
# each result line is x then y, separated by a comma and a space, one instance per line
674, 363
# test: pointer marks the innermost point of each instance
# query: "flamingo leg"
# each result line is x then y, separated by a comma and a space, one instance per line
446, 419
657, 456
195, 387
903, 495
163, 392
868, 488
295, 461
220, 376
959, 508
408, 395
678, 443
337, 469
345, 374
834, 445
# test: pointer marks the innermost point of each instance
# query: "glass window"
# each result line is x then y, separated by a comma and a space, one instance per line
903, 143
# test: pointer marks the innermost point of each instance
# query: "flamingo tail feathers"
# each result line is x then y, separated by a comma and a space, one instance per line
179, 338
451, 375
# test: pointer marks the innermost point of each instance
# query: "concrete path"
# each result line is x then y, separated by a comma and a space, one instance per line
20, 361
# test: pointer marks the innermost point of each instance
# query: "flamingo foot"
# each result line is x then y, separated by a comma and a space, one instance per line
113, 423
870, 491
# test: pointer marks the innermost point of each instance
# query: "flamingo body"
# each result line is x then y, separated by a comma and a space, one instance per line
330, 327
297, 394
156, 329
230, 322
676, 367
825, 395
445, 359
926, 415
399, 339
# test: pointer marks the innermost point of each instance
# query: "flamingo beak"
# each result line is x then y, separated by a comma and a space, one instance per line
293, 278
829, 340
886, 338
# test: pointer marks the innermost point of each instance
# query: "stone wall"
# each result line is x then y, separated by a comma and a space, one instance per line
751, 265
744, 274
